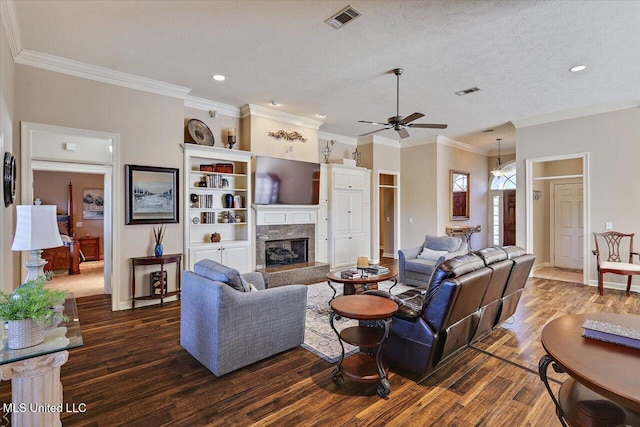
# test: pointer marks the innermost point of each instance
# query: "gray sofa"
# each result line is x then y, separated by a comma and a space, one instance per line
226, 328
415, 265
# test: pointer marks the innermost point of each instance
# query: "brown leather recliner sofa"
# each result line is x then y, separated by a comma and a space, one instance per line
465, 299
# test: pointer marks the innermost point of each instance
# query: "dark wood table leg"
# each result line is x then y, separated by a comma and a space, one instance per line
543, 365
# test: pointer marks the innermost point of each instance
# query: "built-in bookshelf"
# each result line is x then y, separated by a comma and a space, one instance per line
218, 218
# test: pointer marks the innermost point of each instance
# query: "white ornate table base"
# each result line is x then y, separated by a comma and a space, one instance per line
36, 390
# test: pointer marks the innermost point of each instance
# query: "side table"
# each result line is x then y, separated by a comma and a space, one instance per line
363, 366
161, 261
34, 372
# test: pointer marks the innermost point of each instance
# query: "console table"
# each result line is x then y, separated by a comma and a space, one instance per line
464, 230
34, 372
161, 261
363, 367
607, 369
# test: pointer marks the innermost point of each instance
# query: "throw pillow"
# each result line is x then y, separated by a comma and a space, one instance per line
431, 255
245, 285
215, 271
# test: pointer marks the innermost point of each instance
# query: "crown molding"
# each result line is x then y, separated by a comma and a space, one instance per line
575, 113
268, 113
207, 105
460, 145
58, 64
326, 136
11, 28
381, 140
421, 141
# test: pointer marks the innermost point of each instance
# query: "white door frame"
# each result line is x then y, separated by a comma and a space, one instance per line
552, 219
112, 205
396, 208
586, 211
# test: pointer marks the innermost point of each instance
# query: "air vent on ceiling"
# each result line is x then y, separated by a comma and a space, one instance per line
346, 15
468, 91
487, 130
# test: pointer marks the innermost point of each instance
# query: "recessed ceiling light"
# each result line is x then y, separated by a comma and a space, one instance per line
218, 77
274, 103
577, 68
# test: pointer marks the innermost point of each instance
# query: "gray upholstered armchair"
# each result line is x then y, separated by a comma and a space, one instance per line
415, 265
225, 326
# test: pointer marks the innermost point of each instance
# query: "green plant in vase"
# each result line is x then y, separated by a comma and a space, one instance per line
27, 309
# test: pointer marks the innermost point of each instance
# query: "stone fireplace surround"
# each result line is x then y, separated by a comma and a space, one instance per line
280, 222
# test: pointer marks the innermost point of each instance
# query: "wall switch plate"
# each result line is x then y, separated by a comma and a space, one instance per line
70, 146
411, 220
388, 219
608, 225
79, 224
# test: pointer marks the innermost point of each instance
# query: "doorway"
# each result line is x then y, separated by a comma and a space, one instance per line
388, 218
557, 219
68, 150
509, 218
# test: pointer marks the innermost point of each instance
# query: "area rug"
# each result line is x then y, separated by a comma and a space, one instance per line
319, 338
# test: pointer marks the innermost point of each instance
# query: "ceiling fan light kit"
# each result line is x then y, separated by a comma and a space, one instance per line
399, 123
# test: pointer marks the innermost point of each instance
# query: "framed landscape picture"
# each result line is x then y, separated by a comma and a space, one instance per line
152, 195
93, 203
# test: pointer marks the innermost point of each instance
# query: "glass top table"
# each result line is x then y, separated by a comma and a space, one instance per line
64, 336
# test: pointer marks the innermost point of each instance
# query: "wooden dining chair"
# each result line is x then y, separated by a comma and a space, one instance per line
611, 261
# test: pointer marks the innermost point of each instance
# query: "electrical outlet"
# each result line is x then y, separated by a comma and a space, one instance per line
388, 219
608, 225
411, 220
78, 224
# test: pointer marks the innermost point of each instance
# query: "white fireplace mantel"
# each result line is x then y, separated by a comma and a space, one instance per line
286, 214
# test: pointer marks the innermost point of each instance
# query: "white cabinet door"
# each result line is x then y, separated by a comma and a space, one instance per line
196, 255
232, 256
341, 179
236, 257
322, 249
341, 212
323, 220
342, 255
356, 212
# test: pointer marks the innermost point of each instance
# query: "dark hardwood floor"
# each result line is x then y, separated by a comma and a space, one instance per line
132, 371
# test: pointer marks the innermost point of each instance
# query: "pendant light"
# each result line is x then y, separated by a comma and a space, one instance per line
498, 170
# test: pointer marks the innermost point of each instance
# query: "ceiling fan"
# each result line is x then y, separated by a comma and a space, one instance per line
398, 123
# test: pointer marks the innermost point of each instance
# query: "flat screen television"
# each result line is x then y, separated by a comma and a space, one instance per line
286, 182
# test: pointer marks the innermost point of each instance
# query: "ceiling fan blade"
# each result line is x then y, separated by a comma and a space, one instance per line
372, 123
403, 133
412, 117
373, 131
427, 125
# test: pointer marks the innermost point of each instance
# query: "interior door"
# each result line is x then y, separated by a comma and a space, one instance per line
509, 217
568, 226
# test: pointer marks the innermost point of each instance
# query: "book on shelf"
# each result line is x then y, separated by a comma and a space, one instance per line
611, 333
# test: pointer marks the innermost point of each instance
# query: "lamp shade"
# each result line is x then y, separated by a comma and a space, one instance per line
36, 228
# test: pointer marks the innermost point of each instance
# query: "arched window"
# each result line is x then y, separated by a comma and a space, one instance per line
506, 181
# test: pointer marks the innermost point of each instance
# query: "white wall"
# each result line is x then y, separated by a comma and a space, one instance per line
612, 141
9, 261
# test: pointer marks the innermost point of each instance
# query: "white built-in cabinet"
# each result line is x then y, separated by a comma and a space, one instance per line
350, 214
206, 209
322, 226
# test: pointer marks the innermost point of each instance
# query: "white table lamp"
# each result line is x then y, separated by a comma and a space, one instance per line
36, 229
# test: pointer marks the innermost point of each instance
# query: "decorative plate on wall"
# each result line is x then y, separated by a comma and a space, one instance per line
200, 132
9, 178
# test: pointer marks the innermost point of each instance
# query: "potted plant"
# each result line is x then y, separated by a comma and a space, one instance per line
26, 310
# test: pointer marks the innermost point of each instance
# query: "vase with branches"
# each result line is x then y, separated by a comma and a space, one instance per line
158, 234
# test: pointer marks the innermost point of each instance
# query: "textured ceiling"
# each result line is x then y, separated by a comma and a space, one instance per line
517, 52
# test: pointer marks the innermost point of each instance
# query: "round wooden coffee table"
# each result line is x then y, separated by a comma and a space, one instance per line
363, 366
607, 369
358, 285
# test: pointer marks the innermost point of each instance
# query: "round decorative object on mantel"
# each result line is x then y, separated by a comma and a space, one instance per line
200, 132
9, 178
